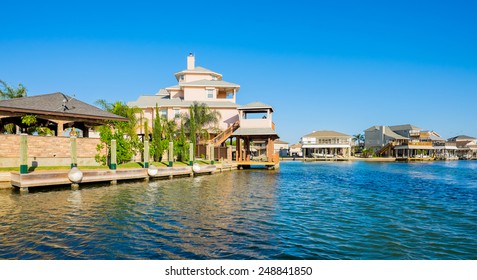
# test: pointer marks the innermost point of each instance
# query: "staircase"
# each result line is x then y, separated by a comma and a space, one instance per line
387, 147
224, 135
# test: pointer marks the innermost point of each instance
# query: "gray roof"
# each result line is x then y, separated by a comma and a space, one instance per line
150, 101
404, 127
387, 131
373, 128
56, 104
461, 138
255, 105
254, 131
327, 133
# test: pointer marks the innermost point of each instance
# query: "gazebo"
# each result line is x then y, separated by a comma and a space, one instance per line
55, 111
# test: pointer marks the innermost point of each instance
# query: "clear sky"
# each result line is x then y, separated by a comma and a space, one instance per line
344, 66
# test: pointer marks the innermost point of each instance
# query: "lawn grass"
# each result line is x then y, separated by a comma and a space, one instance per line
124, 165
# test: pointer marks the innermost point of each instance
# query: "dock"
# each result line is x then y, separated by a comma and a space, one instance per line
58, 178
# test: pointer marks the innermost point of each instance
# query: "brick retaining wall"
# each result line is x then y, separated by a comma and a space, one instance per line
46, 150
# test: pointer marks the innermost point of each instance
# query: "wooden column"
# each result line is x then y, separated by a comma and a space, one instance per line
270, 149
60, 128
146, 154
171, 154
74, 156
191, 153
23, 154
113, 163
238, 150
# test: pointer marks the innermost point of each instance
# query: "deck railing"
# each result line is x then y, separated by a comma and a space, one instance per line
221, 137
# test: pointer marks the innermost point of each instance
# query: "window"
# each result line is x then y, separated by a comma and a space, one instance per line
182, 78
177, 113
163, 114
210, 93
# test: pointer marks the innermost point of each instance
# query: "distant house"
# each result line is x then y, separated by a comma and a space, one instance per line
326, 144
466, 146
295, 150
408, 142
280, 147
376, 137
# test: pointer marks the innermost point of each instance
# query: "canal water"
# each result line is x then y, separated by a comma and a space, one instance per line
324, 210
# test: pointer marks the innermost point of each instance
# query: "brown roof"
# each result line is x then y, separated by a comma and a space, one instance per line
326, 133
56, 104
278, 141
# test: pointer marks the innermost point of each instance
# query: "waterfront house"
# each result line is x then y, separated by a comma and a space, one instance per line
381, 139
248, 124
326, 144
195, 84
281, 147
296, 150
466, 146
408, 142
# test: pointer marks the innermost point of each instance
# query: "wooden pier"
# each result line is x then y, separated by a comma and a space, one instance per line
56, 178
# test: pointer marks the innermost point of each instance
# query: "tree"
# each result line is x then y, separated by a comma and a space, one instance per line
199, 121
124, 132
9, 92
158, 145
358, 138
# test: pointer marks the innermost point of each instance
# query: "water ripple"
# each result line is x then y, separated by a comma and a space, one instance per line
304, 211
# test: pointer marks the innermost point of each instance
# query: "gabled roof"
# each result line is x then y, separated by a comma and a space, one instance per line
387, 131
197, 70
391, 134
295, 146
461, 138
404, 127
327, 133
56, 104
150, 101
255, 105
280, 142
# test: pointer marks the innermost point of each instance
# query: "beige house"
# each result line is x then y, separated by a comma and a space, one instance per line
280, 147
195, 84
248, 124
296, 150
326, 144
466, 146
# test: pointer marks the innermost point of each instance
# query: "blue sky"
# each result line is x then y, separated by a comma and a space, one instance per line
341, 66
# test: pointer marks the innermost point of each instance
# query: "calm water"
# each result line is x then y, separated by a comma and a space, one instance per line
304, 211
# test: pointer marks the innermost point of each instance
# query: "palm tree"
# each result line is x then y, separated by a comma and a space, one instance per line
199, 120
358, 138
8, 92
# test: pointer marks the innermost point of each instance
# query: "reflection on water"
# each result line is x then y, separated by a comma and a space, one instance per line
303, 211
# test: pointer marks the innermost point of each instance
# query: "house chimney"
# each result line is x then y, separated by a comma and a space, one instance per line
190, 61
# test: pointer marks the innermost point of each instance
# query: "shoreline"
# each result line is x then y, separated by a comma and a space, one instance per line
377, 159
